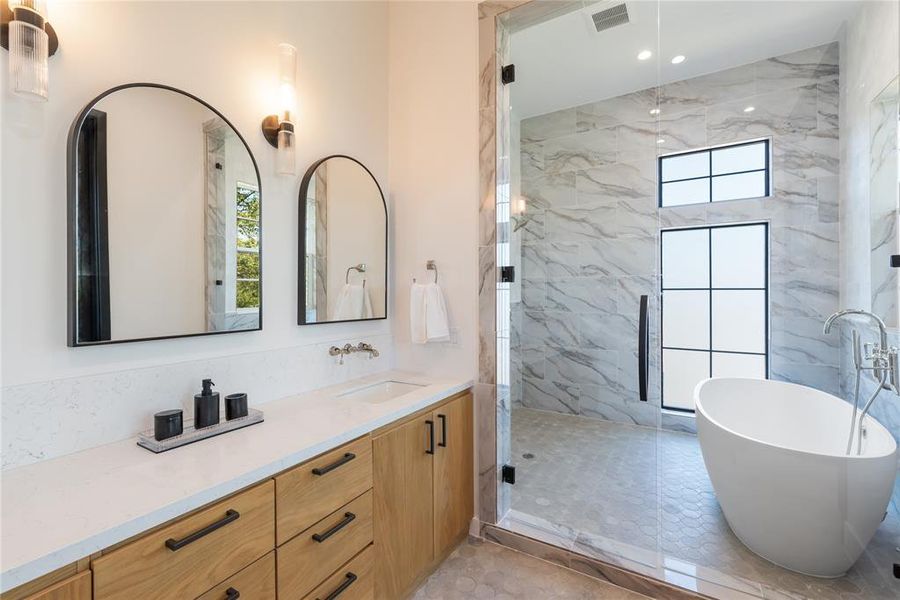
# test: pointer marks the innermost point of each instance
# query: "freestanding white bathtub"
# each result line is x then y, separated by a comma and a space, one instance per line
775, 453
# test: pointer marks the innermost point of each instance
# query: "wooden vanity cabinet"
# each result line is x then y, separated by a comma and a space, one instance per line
424, 496
370, 519
77, 587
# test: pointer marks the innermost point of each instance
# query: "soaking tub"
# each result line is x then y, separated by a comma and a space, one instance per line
775, 453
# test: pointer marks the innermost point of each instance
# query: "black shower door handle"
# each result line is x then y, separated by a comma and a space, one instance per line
643, 348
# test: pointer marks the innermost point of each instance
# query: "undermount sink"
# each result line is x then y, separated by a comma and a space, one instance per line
381, 391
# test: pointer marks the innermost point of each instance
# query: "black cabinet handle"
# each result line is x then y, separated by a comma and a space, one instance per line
348, 581
339, 462
321, 537
643, 348
443, 442
429, 449
232, 594
230, 516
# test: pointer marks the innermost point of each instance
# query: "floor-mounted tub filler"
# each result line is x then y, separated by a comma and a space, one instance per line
777, 457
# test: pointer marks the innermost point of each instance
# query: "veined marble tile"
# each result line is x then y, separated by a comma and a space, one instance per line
625, 257
813, 294
551, 125
810, 155
801, 341
581, 224
580, 151
616, 111
612, 183
562, 259
609, 331
532, 161
828, 103
549, 328
683, 216
530, 226
608, 403
547, 395
534, 263
580, 367
549, 191
681, 131
705, 90
637, 217
777, 113
820, 377
582, 295
534, 294
806, 67
533, 363
487, 160
630, 290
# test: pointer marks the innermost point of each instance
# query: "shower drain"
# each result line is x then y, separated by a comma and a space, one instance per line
528, 455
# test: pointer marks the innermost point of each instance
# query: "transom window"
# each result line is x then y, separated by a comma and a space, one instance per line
714, 307
734, 172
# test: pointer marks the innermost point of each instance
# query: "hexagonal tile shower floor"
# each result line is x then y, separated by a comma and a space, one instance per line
619, 491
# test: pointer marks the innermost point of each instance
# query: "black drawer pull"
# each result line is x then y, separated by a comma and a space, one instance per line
321, 537
429, 449
341, 461
230, 516
232, 594
351, 577
443, 442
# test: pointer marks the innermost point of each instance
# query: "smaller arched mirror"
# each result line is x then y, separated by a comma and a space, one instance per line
343, 244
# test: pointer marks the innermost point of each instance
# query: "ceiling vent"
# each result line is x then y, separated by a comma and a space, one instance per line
611, 17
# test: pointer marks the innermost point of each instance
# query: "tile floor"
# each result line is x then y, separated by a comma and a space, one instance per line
488, 571
644, 494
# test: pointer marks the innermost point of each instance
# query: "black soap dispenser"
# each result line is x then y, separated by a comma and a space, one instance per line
206, 406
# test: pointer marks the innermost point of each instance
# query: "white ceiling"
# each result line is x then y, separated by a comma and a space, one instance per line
565, 62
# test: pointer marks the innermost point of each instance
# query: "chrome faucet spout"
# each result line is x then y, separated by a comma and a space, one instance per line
882, 330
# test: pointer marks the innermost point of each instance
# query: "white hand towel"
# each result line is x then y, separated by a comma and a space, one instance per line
417, 330
437, 323
352, 303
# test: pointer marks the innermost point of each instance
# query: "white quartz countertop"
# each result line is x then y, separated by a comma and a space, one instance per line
58, 511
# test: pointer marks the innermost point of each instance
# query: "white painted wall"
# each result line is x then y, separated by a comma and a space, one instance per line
53, 391
434, 173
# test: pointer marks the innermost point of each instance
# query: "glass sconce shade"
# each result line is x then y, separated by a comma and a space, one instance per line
286, 155
29, 50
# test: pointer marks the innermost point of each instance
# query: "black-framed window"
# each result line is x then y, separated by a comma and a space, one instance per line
715, 299
733, 172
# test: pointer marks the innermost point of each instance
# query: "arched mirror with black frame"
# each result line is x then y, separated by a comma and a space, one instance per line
164, 220
343, 244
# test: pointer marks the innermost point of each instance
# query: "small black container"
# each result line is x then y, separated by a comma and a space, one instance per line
168, 423
206, 406
235, 406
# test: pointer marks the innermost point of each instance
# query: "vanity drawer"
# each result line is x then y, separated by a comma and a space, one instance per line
353, 581
190, 556
305, 561
77, 587
256, 582
317, 488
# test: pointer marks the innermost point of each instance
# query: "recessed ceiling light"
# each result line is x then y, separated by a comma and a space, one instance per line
677, 60
750, 109
644, 55
654, 111
660, 141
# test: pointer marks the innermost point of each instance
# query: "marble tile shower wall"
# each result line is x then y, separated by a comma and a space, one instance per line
886, 409
590, 231
53, 418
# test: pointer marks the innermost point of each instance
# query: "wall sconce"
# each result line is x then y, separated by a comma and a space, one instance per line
279, 129
31, 41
